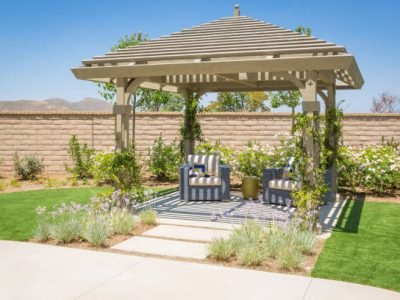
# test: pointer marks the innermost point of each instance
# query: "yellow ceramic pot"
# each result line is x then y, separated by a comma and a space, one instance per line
250, 185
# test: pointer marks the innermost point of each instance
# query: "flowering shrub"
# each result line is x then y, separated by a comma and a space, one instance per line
375, 168
381, 168
253, 159
226, 154
349, 170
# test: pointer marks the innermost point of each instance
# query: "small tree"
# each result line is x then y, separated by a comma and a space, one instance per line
386, 103
239, 102
82, 157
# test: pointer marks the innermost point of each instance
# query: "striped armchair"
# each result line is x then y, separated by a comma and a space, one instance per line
214, 187
277, 189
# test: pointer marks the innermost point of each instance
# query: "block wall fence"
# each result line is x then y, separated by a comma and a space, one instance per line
47, 134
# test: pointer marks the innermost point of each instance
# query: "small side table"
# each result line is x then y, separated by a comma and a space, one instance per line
250, 186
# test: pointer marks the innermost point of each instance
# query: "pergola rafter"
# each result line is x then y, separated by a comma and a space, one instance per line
236, 53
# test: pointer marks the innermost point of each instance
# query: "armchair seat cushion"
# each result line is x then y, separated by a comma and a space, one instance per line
205, 181
283, 184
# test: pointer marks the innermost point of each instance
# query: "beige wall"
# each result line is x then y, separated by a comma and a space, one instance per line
47, 134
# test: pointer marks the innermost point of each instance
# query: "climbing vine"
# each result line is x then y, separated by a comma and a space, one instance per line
191, 128
311, 174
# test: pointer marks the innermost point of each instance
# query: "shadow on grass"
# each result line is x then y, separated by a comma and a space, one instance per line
349, 219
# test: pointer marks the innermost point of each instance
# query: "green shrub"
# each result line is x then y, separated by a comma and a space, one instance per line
225, 153
165, 160
148, 217
81, 155
220, 249
253, 159
28, 167
125, 170
250, 255
97, 229
122, 220
102, 167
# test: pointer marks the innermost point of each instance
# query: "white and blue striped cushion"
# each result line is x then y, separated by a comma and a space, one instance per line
210, 161
283, 184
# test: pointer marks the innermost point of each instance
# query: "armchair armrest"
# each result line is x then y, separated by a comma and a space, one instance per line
184, 181
224, 171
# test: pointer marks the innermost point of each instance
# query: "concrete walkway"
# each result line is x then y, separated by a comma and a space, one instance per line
33, 271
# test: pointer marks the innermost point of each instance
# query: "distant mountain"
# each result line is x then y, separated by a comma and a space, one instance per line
56, 104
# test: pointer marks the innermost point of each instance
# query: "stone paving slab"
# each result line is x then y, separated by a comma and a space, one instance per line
163, 247
186, 233
202, 224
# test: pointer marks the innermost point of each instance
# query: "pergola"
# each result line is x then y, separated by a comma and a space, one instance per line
236, 53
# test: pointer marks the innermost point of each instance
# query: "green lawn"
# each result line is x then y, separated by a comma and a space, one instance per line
17, 210
364, 247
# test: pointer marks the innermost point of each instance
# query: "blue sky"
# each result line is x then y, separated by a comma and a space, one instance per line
41, 40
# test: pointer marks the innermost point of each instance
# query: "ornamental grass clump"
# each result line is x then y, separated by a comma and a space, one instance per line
290, 256
274, 241
42, 230
251, 232
97, 229
148, 217
221, 249
68, 222
122, 220
305, 240
250, 255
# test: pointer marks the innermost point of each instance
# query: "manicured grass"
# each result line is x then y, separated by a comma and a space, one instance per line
364, 247
17, 210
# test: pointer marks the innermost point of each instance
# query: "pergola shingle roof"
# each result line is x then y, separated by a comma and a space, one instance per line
232, 53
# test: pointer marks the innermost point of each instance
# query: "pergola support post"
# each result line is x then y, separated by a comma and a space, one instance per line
330, 113
189, 123
121, 111
311, 106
